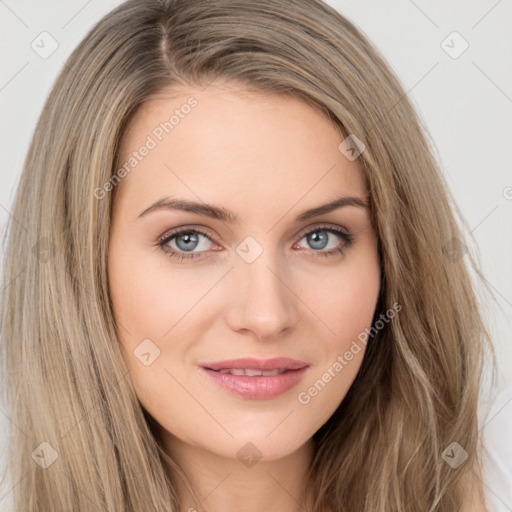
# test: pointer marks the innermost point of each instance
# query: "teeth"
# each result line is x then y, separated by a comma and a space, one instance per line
234, 372
253, 373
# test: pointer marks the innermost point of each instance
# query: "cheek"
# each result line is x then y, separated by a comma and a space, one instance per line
141, 308
147, 296
345, 304
344, 297
348, 308
151, 300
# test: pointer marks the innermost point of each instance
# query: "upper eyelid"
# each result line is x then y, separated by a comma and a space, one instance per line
323, 225
178, 231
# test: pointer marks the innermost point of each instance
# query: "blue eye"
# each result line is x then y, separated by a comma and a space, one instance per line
187, 240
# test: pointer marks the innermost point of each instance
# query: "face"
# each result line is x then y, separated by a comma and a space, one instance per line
251, 275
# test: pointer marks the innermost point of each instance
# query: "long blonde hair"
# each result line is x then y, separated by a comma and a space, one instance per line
64, 379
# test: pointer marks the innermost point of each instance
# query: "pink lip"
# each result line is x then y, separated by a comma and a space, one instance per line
257, 364
258, 388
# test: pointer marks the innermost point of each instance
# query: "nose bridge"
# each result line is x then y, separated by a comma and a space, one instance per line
264, 302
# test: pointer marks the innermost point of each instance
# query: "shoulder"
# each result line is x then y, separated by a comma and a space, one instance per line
475, 500
497, 452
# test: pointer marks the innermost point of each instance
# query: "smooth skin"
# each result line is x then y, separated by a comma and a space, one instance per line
267, 159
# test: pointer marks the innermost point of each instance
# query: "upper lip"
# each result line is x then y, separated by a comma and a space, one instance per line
257, 364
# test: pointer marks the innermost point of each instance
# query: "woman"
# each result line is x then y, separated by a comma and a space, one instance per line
248, 287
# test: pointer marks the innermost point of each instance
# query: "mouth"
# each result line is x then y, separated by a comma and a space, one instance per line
246, 378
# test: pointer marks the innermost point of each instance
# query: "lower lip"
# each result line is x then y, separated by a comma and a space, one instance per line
258, 388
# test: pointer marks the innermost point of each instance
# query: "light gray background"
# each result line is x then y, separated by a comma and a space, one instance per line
466, 103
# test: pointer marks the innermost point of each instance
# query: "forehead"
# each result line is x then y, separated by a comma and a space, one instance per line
228, 144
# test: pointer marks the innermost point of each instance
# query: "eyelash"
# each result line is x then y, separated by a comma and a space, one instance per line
347, 237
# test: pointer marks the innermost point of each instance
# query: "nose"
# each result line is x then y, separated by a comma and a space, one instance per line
263, 301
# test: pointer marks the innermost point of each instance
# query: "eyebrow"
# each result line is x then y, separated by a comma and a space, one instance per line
224, 215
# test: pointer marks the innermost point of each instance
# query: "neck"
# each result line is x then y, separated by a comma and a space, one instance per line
225, 484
